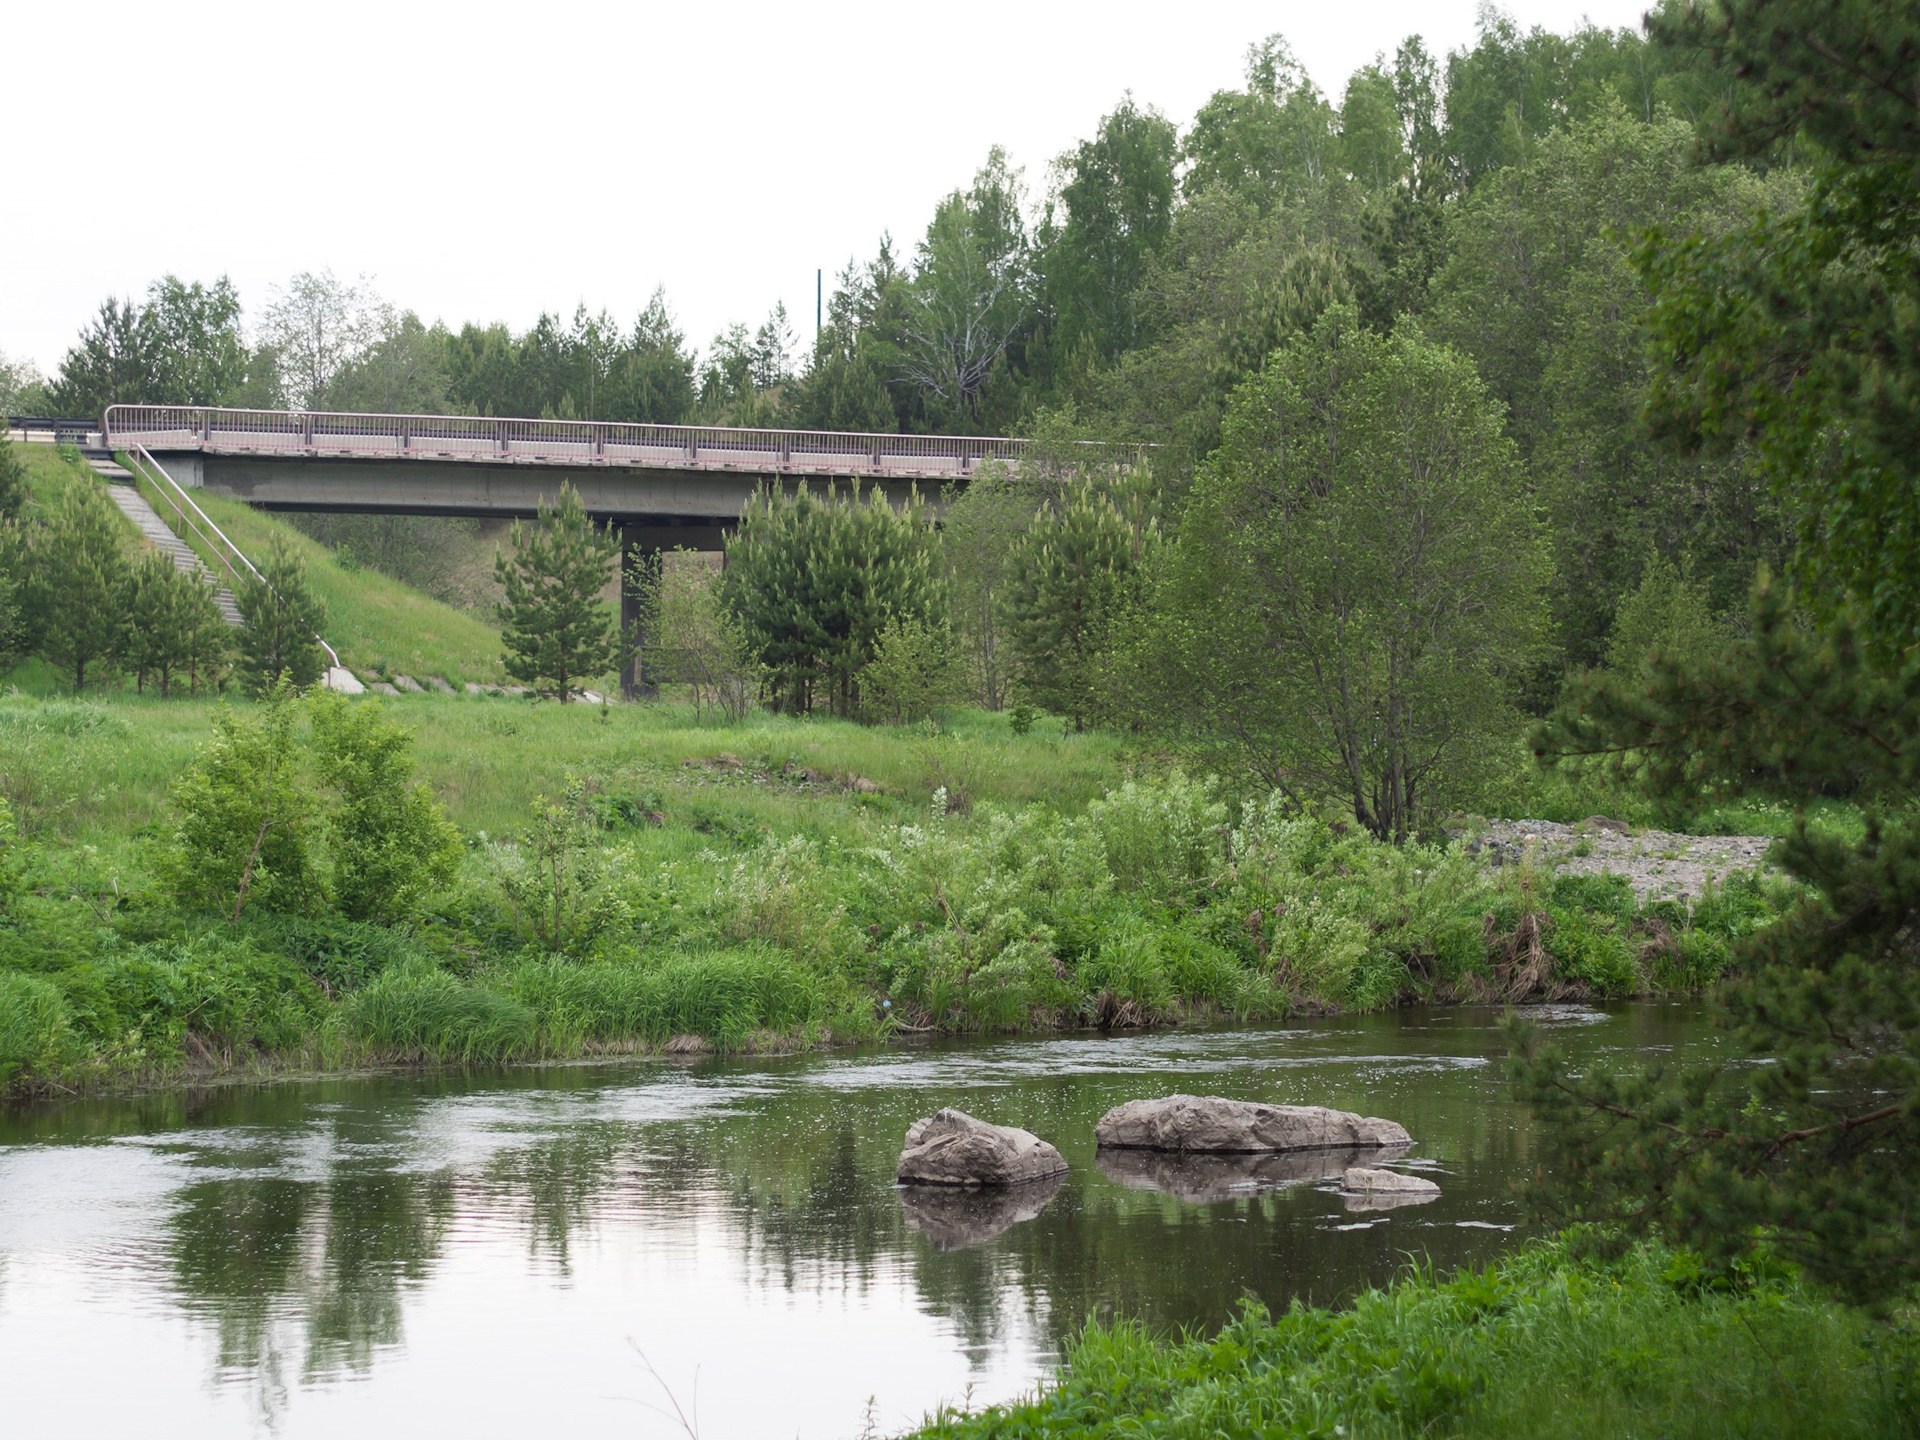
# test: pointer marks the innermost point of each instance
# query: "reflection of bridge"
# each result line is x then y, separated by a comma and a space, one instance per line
663, 485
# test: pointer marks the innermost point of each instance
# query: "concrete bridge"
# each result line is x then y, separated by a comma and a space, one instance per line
664, 486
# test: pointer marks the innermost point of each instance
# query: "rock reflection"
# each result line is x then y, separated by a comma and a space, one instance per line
1205, 1178
954, 1218
1387, 1199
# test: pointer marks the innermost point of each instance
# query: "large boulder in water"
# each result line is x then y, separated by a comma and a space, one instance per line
1212, 1123
953, 1148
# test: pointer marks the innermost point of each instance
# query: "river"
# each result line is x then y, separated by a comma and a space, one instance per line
590, 1249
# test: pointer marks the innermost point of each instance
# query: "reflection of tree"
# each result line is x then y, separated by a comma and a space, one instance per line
306, 1278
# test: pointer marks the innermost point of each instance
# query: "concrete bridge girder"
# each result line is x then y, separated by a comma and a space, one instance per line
454, 487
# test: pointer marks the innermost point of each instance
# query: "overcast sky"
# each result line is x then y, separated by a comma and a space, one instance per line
485, 162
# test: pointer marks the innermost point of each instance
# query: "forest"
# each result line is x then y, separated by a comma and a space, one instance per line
1524, 434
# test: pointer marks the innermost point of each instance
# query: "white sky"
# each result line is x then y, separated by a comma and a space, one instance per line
484, 162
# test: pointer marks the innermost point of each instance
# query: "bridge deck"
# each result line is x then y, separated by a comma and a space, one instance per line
570, 443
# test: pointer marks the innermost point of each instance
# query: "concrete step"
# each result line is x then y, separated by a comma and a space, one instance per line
158, 533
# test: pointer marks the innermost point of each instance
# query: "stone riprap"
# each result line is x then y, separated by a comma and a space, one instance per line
1210, 1123
953, 1148
1659, 864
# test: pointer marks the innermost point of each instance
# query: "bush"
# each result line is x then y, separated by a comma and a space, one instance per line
34, 1026
723, 997
215, 995
415, 1012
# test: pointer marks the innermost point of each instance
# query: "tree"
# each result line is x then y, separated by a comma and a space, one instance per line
1667, 616
1541, 293
556, 629
692, 639
1069, 579
1795, 333
281, 622
244, 831
969, 290
318, 328
389, 840
982, 526
13, 481
173, 626
1118, 199
1357, 580
813, 579
23, 389
80, 573
182, 347
914, 670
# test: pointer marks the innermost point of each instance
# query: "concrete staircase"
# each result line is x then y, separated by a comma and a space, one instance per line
158, 533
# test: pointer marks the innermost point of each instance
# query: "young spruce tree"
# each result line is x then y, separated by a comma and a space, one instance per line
283, 619
557, 631
80, 573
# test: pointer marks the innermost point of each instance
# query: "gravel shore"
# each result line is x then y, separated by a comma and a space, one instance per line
1659, 864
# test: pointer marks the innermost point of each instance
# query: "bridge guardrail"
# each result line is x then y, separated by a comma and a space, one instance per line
483, 439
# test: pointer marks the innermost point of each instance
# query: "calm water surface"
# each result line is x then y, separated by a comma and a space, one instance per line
585, 1246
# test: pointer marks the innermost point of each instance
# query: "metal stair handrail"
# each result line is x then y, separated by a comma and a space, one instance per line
202, 527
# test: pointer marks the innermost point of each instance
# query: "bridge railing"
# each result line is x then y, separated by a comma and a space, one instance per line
568, 442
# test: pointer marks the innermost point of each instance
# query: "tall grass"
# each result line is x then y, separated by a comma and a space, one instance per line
1539, 1346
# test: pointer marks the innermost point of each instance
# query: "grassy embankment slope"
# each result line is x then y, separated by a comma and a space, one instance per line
1540, 1345
379, 626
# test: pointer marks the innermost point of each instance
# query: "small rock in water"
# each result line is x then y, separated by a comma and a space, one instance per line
953, 1148
1364, 1181
1368, 1189
1213, 1123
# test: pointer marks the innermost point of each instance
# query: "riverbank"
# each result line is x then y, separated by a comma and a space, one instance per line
772, 884
1546, 1342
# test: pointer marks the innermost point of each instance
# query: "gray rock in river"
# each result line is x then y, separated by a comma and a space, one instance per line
1203, 1178
954, 1218
1211, 1123
953, 1148
1370, 1189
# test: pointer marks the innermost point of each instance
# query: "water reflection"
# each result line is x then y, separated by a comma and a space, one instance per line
954, 1218
399, 1232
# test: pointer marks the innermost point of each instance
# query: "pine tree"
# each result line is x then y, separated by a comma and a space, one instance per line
1796, 335
557, 630
209, 641
283, 619
813, 581
1070, 576
80, 569
172, 621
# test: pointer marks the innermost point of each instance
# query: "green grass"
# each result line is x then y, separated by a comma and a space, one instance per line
1541, 1345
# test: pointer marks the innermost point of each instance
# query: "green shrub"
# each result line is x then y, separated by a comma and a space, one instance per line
1127, 970
415, 1012
723, 997
340, 955
1164, 838
217, 993
34, 1026
1588, 949
1317, 949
